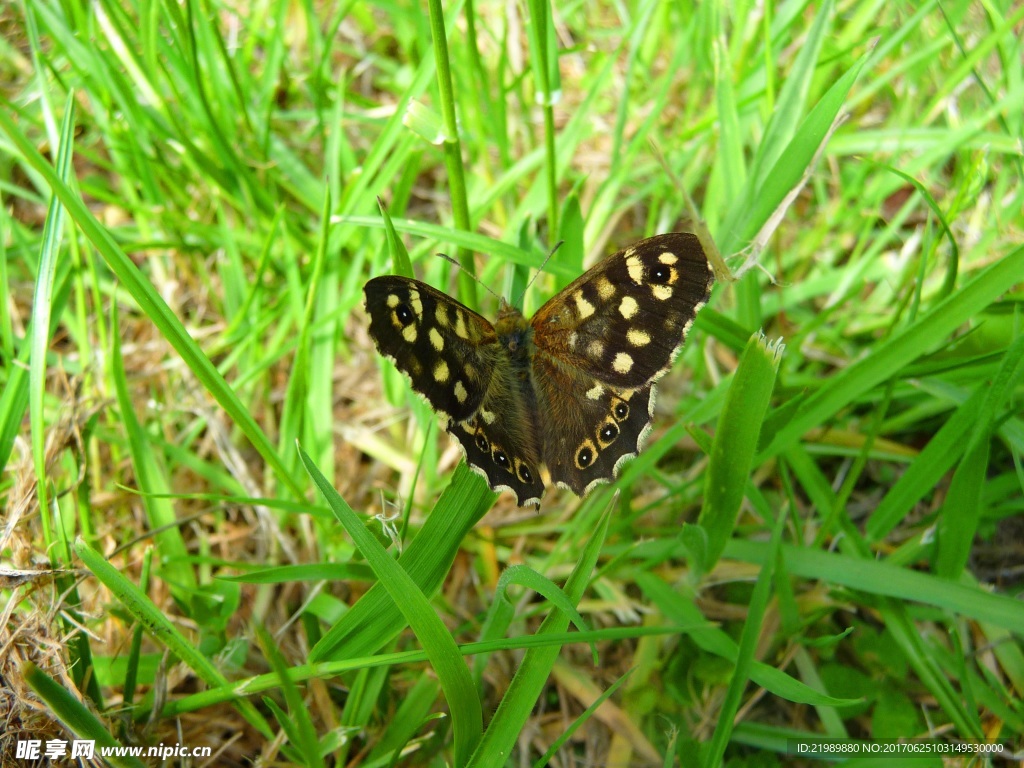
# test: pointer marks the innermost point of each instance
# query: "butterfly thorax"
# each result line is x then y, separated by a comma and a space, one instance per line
515, 334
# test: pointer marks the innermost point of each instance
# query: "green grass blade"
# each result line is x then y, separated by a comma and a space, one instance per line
153, 484
296, 720
452, 147
961, 513
921, 477
150, 302
682, 610
739, 426
42, 315
525, 576
747, 648
901, 349
881, 578
521, 696
162, 629
375, 619
457, 683
73, 714
792, 101
784, 176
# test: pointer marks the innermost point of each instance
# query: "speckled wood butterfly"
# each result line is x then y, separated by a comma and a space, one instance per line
565, 397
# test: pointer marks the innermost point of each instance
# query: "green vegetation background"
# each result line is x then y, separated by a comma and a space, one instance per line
823, 538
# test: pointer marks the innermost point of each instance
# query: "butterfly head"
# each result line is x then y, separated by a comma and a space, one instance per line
513, 331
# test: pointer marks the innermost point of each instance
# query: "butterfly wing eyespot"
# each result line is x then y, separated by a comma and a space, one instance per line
503, 450
591, 448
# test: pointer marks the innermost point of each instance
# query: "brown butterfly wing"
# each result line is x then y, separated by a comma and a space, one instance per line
446, 349
623, 321
501, 440
600, 346
454, 359
588, 432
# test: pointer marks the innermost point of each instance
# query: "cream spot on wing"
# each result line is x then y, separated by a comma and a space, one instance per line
635, 267
595, 348
460, 324
487, 416
545, 474
638, 338
470, 372
441, 313
661, 292
668, 258
605, 289
622, 363
393, 300
460, 392
414, 300
409, 333
595, 392
441, 371
572, 340
436, 339
628, 307
583, 307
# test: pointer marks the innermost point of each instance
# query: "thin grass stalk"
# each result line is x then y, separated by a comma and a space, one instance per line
452, 148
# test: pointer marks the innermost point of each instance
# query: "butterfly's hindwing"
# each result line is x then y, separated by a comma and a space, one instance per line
591, 428
447, 350
624, 320
500, 439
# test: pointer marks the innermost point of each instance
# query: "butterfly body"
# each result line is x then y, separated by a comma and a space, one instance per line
565, 397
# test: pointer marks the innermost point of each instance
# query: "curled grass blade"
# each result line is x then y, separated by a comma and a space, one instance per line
739, 426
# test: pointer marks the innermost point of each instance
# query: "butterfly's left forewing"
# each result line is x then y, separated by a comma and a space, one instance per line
446, 349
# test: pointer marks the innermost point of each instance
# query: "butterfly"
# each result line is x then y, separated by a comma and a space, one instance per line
566, 397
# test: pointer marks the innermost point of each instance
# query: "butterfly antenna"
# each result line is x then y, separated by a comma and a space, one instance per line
453, 260
540, 270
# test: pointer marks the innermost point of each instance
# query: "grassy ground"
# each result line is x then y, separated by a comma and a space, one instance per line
822, 538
